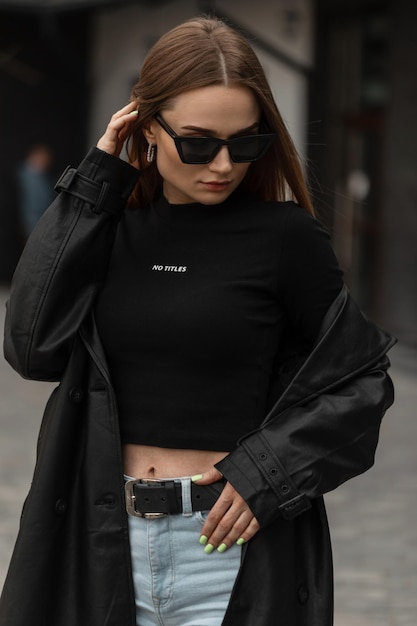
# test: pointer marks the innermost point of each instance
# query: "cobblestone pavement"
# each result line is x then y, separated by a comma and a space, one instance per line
373, 518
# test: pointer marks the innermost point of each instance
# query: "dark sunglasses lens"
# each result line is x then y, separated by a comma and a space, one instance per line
251, 148
198, 149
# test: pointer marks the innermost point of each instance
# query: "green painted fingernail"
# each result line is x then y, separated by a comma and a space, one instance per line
222, 547
209, 548
196, 477
203, 540
240, 541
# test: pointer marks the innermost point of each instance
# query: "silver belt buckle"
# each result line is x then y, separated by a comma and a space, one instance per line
130, 498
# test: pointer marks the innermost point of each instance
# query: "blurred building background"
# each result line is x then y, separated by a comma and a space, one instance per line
344, 79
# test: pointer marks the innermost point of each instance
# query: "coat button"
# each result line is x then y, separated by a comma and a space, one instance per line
303, 594
76, 395
61, 507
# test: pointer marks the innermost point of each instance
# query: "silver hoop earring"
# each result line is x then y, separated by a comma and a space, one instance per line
150, 155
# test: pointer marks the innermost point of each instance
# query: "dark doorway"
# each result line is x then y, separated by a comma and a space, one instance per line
44, 95
349, 102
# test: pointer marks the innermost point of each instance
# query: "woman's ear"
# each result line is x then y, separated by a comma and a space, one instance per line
149, 132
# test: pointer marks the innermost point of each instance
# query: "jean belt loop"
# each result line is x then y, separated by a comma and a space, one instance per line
187, 507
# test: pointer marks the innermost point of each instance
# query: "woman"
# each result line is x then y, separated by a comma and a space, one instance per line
206, 348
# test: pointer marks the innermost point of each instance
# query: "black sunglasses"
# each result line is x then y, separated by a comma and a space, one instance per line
201, 150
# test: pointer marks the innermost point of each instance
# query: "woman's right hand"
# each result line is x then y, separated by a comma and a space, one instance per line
118, 129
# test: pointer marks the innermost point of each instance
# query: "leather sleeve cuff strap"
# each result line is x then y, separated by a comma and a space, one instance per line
99, 195
292, 502
295, 506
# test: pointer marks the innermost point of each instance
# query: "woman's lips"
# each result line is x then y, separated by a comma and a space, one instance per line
214, 185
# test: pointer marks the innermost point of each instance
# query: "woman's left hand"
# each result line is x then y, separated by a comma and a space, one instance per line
229, 521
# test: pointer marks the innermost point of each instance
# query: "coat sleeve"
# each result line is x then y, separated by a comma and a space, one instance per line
63, 265
311, 446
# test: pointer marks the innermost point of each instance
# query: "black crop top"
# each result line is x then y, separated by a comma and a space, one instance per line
193, 312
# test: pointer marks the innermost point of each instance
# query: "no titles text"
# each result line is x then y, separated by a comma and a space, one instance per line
169, 268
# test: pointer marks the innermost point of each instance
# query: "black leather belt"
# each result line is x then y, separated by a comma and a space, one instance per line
153, 498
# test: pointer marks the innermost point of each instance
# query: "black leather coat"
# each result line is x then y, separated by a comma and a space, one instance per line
71, 563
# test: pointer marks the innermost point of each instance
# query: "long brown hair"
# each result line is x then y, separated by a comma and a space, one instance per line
198, 53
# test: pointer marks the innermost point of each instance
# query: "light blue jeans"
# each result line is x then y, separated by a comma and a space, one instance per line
176, 583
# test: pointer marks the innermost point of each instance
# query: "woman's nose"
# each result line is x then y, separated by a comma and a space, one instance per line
222, 161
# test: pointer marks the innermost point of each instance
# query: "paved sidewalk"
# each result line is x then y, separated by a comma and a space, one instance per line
373, 518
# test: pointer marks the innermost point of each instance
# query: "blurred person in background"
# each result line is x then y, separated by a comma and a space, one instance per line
34, 185
215, 376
